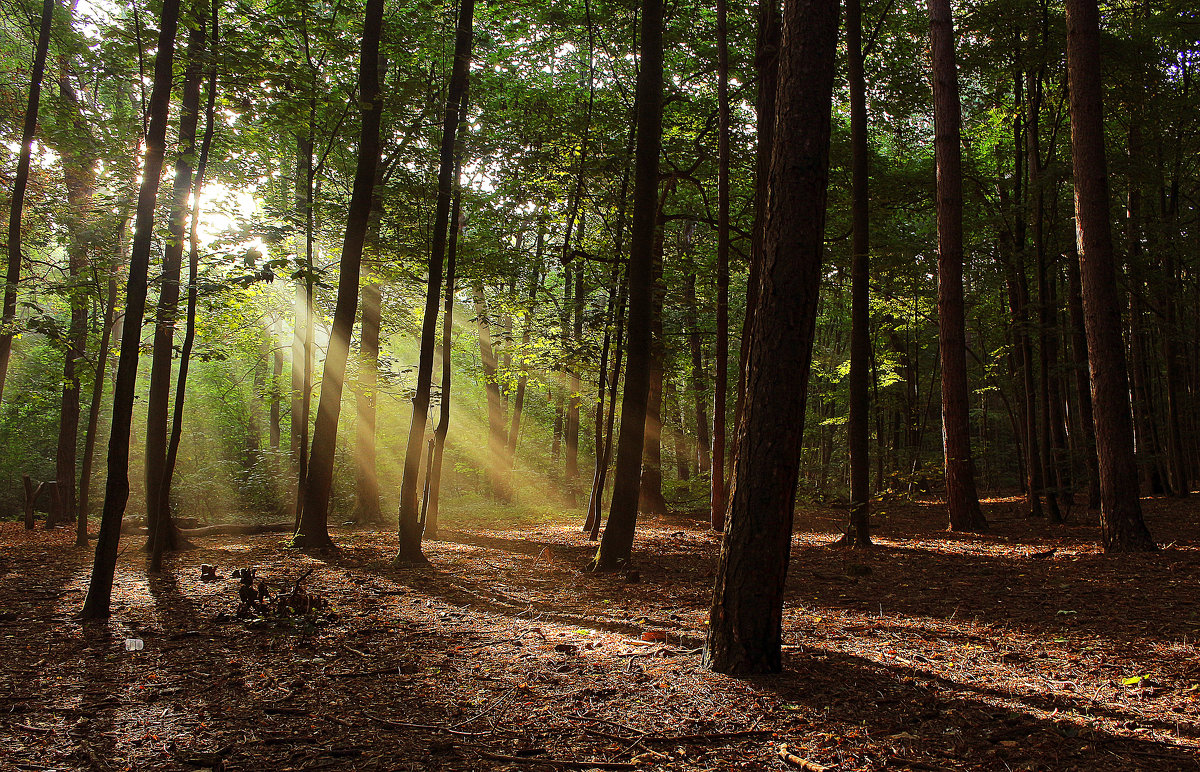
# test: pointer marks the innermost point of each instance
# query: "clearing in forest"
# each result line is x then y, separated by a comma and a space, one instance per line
1026, 648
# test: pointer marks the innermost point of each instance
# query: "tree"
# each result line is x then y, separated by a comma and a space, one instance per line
1122, 528
313, 530
962, 501
721, 379
9, 313
163, 534
746, 618
616, 546
859, 531
410, 525
116, 494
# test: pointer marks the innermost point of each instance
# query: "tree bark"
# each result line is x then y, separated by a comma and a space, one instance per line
116, 495
410, 526
189, 336
746, 618
17, 203
434, 483
650, 495
1083, 392
1122, 528
163, 534
858, 531
617, 545
962, 501
696, 350
314, 531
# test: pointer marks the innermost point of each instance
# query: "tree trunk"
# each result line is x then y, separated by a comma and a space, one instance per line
617, 545
17, 202
116, 495
514, 432
313, 531
189, 336
696, 350
721, 379
1121, 526
650, 496
858, 531
162, 529
962, 501
79, 176
434, 481
1083, 392
410, 527
746, 618
366, 507
497, 435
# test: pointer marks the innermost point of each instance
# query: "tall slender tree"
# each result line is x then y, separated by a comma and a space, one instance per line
410, 523
163, 534
616, 546
721, 379
313, 531
962, 500
746, 618
858, 533
17, 203
1122, 528
116, 494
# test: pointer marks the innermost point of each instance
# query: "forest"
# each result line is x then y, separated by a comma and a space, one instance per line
602, 384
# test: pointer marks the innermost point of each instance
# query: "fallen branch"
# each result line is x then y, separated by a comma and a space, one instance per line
810, 766
222, 529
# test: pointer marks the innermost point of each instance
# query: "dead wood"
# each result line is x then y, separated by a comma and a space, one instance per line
560, 763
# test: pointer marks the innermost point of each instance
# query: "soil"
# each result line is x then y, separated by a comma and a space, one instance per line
932, 651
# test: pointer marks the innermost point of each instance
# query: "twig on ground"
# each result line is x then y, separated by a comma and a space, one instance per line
786, 754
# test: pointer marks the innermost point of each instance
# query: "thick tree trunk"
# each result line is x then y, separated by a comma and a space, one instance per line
366, 478
617, 545
410, 526
962, 501
313, 531
1121, 526
858, 531
746, 619
163, 536
17, 203
767, 63
116, 495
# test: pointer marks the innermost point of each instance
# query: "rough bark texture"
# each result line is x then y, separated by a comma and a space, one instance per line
17, 202
313, 531
962, 500
745, 622
410, 526
617, 545
1121, 526
116, 494
858, 532
1083, 391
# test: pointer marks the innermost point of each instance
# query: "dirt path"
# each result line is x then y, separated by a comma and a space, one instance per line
932, 652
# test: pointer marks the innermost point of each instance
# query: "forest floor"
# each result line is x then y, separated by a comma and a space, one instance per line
933, 651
